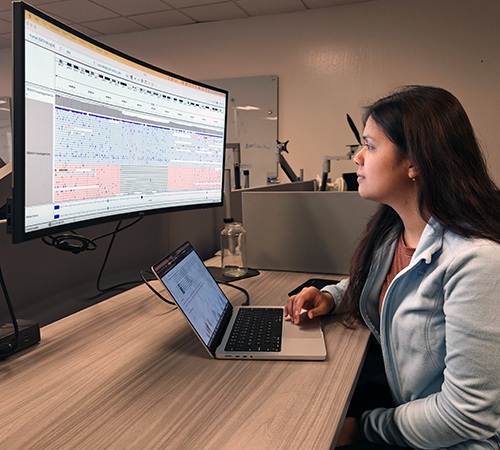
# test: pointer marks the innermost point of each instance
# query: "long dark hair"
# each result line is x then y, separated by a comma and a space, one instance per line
430, 127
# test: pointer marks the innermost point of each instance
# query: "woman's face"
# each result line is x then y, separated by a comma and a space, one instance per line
382, 175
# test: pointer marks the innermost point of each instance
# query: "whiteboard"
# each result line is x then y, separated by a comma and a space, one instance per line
5, 131
253, 123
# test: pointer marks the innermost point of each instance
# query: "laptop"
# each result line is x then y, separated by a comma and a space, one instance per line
213, 318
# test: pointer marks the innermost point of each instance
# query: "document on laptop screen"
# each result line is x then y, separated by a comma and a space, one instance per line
197, 294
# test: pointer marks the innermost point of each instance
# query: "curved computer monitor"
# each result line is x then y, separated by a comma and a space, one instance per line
99, 135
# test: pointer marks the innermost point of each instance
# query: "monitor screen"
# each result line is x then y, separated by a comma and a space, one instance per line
99, 135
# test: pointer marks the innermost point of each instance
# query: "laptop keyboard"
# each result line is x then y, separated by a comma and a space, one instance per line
256, 330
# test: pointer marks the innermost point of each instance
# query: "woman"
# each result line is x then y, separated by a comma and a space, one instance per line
425, 277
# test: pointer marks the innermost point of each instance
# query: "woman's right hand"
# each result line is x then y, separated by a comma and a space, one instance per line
316, 302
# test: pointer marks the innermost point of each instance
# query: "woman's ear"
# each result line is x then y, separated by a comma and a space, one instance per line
412, 172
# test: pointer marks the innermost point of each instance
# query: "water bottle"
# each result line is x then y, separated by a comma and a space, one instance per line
233, 249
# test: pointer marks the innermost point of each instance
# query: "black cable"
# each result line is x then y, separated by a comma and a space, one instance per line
247, 295
148, 284
106, 256
108, 251
70, 242
6, 348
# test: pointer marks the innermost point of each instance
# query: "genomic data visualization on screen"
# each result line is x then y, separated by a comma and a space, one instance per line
106, 135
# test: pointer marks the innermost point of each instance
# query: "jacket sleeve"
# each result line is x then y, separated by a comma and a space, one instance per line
337, 291
467, 408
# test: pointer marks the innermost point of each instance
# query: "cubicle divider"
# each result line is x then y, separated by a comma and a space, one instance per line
304, 230
236, 196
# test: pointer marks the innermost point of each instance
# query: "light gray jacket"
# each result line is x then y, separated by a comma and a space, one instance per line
440, 335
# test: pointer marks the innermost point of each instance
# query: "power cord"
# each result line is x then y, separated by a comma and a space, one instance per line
108, 251
247, 295
6, 348
70, 242
148, 284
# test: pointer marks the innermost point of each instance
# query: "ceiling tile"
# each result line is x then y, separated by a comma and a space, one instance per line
83, 29
162, 19
5, 5
219, 11
265, 7
130, 7
4, 26
42, 2
114, 26
327, 3
187, 3
4, 42
78, 11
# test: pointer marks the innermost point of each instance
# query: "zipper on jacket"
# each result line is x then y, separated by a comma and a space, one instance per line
386, 344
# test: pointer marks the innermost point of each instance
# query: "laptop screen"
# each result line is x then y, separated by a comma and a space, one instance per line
194, 290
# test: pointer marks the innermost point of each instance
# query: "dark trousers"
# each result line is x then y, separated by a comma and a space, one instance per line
372, 391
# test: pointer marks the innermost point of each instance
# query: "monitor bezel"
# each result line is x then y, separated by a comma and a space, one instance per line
17, 216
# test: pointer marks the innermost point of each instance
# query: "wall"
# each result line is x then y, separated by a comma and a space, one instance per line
329, 62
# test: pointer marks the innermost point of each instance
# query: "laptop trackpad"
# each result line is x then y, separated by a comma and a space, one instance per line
307, 328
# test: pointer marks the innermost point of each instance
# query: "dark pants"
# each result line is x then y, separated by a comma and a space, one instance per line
370, 446
372, 391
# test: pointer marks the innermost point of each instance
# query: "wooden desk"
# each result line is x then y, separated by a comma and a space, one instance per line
128, 373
